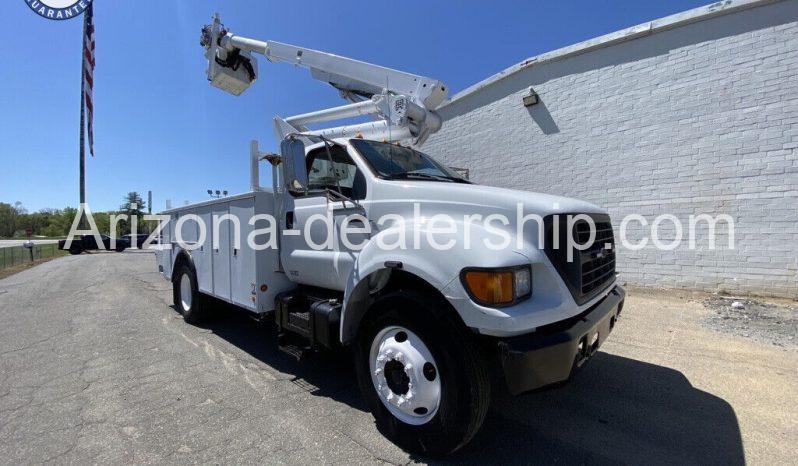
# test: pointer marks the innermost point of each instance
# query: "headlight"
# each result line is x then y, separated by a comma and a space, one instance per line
523, 282
498, 287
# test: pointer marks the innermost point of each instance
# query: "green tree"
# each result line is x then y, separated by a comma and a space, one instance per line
58, 222
133, 206
7, 219
21, 210
64, 221
15, 219
103, 222
12, 218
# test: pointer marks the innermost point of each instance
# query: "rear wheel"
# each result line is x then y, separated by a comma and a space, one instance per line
187, 298
421, 374
75, 249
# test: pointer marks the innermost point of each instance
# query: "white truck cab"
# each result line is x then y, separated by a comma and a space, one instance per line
435, 283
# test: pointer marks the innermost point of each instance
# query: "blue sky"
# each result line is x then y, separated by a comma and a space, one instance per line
159, 126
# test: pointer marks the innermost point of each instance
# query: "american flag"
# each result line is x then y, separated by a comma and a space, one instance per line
88, 71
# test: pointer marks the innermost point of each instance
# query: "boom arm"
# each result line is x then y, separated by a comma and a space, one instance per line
403, 101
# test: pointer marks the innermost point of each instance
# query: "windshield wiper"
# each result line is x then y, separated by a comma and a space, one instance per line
423, 176
455, 179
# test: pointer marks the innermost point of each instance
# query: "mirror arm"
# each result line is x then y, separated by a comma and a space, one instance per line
333, 195
273, 159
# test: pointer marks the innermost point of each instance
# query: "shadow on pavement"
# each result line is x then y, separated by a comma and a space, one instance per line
327, 374
614, 410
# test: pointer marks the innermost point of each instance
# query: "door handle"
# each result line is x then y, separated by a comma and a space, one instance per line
289, 220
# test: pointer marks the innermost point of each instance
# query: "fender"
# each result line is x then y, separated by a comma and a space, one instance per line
437, 267
181, 256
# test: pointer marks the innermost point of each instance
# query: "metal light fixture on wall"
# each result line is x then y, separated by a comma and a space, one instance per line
217, 194
531, 99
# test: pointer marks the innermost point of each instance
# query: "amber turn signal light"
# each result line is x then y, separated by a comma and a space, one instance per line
490, 287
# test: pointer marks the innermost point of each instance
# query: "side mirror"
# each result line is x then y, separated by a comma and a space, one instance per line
295, 173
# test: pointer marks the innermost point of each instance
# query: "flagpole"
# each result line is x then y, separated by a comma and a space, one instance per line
82, 122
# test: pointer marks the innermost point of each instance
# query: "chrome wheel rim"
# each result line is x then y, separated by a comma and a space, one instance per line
405, 375
185, 292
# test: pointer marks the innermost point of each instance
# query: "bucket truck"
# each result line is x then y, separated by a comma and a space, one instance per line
430, 329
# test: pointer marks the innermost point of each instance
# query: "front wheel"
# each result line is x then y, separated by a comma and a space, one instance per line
186, 295
421, 374
75, 249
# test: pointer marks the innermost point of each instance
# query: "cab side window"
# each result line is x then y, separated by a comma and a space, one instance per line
341, 175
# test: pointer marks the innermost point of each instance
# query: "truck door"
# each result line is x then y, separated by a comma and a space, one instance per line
311, 249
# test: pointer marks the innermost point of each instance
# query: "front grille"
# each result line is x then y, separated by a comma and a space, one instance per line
590, 271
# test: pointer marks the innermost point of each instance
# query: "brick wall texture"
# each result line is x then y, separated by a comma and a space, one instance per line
698, 119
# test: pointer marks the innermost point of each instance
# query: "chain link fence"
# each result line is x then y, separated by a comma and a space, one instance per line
16, 255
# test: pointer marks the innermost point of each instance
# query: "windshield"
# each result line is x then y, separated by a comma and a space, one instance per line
397, 162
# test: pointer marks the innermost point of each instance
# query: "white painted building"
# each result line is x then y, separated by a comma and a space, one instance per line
695, 113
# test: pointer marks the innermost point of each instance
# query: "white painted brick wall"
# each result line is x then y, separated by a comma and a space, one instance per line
702, 118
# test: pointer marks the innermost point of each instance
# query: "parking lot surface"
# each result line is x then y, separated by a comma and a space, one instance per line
96, 366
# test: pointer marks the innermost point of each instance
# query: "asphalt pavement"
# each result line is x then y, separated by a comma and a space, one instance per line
97, 367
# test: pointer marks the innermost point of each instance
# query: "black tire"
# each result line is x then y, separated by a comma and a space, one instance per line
465, 383
120, 248
195, 312
75, 249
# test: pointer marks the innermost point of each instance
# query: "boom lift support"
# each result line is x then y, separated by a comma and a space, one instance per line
403, 104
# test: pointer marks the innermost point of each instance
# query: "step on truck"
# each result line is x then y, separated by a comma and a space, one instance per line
350, 254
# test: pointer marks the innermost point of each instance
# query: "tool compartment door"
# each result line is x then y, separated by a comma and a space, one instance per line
202, 256
221, 249
165, 243
243, 271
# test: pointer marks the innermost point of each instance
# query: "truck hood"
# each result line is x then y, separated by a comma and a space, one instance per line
473, 198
